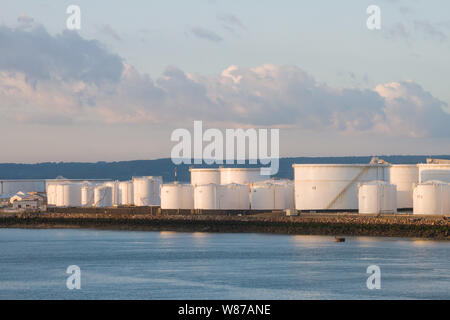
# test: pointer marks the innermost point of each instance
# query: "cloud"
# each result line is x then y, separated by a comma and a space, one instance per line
25, 21
66, 56
109, 31
430, 30
231, 22
263, 96
206, 34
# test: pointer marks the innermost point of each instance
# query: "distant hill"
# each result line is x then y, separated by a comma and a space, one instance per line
124, 170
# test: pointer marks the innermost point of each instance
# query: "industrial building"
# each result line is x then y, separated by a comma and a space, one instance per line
373, 188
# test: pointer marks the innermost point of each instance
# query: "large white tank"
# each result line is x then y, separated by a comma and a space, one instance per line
267, 196
201, 176
87, 195
115, 191
377, 197
432, 197
222, 197
146, 191
405, 177
125, 193
437, 172
241, 175
51, 194
68, 195
333, 186
177, 196
103, 196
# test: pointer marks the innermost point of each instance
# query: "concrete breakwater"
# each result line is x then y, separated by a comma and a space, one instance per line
432, 227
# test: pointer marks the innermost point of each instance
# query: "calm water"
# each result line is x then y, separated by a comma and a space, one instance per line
166, 265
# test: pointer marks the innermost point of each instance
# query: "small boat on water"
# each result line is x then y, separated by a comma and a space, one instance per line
336, 239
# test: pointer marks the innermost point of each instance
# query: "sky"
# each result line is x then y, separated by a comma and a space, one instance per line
137, 70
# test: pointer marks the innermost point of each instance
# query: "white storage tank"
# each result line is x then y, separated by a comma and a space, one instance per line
103, 196
267, 196
241, 175
177, 196
201, 176
87, 195
289, 194
333, 186
68, 195
434, 172
377, 197
125, 193
432, 197
115, 191
51, 194
405, 177
146, 191
222, 197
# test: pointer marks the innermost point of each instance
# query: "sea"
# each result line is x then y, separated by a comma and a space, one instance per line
98, 264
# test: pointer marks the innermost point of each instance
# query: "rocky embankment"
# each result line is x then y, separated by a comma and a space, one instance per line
433, 227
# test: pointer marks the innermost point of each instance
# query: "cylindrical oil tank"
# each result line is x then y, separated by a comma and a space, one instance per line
405, 177
87, 195
177, 196
205, 197
267, 196
51, 194
432, 197
241, 175
377, 197
289, 194
125, 193
201, 176
68, 195
146, 191
222, 197
333, 186
434, 172
115, 191
103, 196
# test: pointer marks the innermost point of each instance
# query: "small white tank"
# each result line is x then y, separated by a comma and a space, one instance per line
289, 194
146, 191
68, 195
377, 197
222, 197
87, 195
241, 175
405, 177
125, 193
205, 197
115, 191
103, 196
267, 196
432, 197
201, 176
234, 197
177, 196
434, 172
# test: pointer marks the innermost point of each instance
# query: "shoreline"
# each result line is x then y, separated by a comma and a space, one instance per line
404, 226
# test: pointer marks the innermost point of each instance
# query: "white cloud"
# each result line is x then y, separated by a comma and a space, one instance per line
266, 95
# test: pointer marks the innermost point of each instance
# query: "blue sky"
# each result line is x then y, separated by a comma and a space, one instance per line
328, 40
